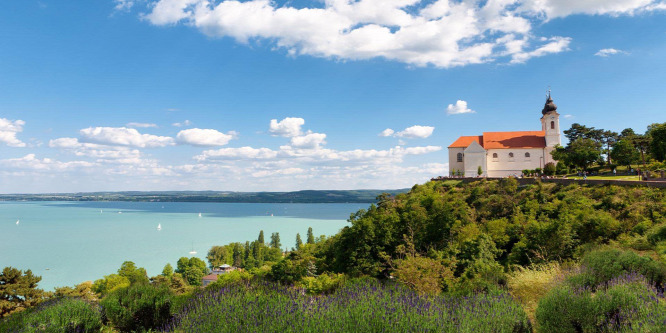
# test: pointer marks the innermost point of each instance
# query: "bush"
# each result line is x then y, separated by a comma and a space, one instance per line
528, 285
624, 303
322, 284
56, 315
138, 307
228, 279
601, 266
657, 234
549, 169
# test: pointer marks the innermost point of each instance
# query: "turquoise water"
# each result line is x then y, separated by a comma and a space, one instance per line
71, 242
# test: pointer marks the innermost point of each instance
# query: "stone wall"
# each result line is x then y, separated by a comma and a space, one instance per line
567, 181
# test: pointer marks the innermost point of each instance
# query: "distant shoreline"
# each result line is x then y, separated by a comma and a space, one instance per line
305, 196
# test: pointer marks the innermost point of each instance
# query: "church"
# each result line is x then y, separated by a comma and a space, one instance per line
503, 154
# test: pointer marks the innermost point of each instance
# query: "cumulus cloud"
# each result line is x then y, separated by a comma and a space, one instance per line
31, 162
287, 127
182, 124
308, 141
387, 132
8, 131
123, 5
242, 153
442, 33
204, 137
608, 52
102, 153
416, 131
459, 108
141, 125
123, 136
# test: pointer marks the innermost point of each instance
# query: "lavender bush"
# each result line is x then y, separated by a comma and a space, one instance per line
367, 306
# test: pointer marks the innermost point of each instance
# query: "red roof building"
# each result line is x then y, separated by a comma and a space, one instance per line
502, 154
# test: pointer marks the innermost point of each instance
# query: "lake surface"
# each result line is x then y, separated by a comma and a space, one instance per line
71, 242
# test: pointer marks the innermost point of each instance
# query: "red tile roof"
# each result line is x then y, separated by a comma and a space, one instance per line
210, 277
504, 140
464, 141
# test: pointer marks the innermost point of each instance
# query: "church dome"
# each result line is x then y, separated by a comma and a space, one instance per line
550, 106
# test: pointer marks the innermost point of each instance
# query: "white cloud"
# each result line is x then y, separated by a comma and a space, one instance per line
243, 153
459, 108
387, 132
123, 5
308, 141
608, 52
416, 131
287, 127
123, 136
31, 162
8, 131
562, 8
441, 33
568, 116
204, 137
141, 125
183, 124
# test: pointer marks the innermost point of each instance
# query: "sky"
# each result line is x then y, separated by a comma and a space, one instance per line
114, 95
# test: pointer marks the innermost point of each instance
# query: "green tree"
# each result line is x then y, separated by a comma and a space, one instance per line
167, 271
192, 270
658, 145
580, 153
193, 276
18, 290
134, 274
110, 283
479, 171
299, 242
275, 240
261, 237
624, 153
311, 238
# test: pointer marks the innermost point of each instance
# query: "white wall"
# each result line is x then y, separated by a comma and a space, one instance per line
453, 160
504, 166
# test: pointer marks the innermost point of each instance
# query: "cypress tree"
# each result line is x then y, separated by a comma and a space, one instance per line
311, 239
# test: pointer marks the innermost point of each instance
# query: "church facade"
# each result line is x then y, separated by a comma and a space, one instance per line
503, 154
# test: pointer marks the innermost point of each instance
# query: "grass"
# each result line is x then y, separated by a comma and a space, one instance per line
367, 306
621, 177
528, 285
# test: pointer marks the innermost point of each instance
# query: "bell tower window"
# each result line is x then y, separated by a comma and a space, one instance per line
460, 157
552, 125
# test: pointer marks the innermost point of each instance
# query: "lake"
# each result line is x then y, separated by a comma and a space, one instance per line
70, 242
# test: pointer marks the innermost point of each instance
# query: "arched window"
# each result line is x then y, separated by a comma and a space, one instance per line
494, 155
552, 125
460, 156
510, 155
527, 155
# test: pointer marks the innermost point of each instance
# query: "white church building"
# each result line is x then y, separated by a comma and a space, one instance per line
502, 154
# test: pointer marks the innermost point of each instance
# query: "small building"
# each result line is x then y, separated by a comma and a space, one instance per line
208, 279
502, 154
222, 269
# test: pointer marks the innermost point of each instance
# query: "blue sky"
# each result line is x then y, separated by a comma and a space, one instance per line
180, 94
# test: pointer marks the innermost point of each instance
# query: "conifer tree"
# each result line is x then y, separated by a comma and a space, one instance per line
261, 237
311, 239
299, 242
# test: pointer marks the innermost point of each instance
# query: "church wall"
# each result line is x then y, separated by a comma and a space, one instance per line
472, 163
504, 166
453, 159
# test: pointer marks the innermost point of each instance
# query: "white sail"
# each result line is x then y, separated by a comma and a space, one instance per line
17, 222
159, 226
199, 214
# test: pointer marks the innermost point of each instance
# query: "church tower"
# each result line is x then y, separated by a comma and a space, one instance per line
550, 123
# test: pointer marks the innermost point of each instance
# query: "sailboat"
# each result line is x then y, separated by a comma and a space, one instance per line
199, 214
193, 252
159, 226
17, 222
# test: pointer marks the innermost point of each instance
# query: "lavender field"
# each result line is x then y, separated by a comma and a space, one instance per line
367, 306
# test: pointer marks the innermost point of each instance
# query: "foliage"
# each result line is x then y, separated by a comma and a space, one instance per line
167, 271
625, 153
275, 240
657, 132
311, 238
82, 290
322, 284
365, 306
293, 268
62, 314
18, 290
580, 153
192, 270
231, 278
423, 275
299, 242
138, 307
134, 274
602, 266
529, 284
622, 305
561, 168
479, 171
549, 169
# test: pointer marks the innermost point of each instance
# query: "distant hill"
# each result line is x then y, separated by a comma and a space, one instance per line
306, 196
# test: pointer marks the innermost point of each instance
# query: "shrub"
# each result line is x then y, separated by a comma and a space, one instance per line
657, 234
549, 169
322, 284
233, 277
601, 266
624, 304
528, 285
56, 315
138, 307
